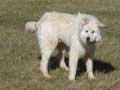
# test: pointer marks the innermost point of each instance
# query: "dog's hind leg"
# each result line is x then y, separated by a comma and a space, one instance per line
48, 44
48, 41
44, 63
62, 62
46, 52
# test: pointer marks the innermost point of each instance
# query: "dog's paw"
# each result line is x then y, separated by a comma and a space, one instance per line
45, 73
47, 76
71, 78
92, 77
65, 68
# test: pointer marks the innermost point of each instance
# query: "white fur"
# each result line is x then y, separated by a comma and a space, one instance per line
62, 63
70, 29
30, 26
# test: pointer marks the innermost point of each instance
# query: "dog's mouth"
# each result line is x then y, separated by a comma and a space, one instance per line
91, 42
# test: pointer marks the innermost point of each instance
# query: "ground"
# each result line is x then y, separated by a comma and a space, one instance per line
19, 51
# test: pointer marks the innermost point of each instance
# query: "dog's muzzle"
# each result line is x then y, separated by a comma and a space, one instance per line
88, 39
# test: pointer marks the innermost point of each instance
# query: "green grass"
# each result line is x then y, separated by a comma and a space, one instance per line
19, 52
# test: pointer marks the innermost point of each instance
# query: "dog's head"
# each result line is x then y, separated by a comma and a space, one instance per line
90, 30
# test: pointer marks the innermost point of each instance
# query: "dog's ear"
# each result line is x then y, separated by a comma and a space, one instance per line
101, 25
84, 22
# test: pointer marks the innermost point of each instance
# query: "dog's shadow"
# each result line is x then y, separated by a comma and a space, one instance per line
98, 65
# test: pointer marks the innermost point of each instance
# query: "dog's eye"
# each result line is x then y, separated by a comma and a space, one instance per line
93, 31
86, 31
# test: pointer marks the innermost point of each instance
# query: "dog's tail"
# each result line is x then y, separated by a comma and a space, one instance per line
31, 26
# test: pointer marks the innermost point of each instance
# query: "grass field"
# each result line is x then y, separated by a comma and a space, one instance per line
19, 62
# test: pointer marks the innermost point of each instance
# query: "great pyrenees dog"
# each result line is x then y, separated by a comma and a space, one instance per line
80, 32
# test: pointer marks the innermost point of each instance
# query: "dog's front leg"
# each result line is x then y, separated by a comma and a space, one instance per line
74, 56
89, 67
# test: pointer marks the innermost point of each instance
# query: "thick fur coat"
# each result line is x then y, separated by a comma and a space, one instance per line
80, 32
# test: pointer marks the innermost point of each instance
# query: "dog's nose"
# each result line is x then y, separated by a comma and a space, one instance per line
88, 38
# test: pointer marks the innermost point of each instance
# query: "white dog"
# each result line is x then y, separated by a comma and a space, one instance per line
80, 32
